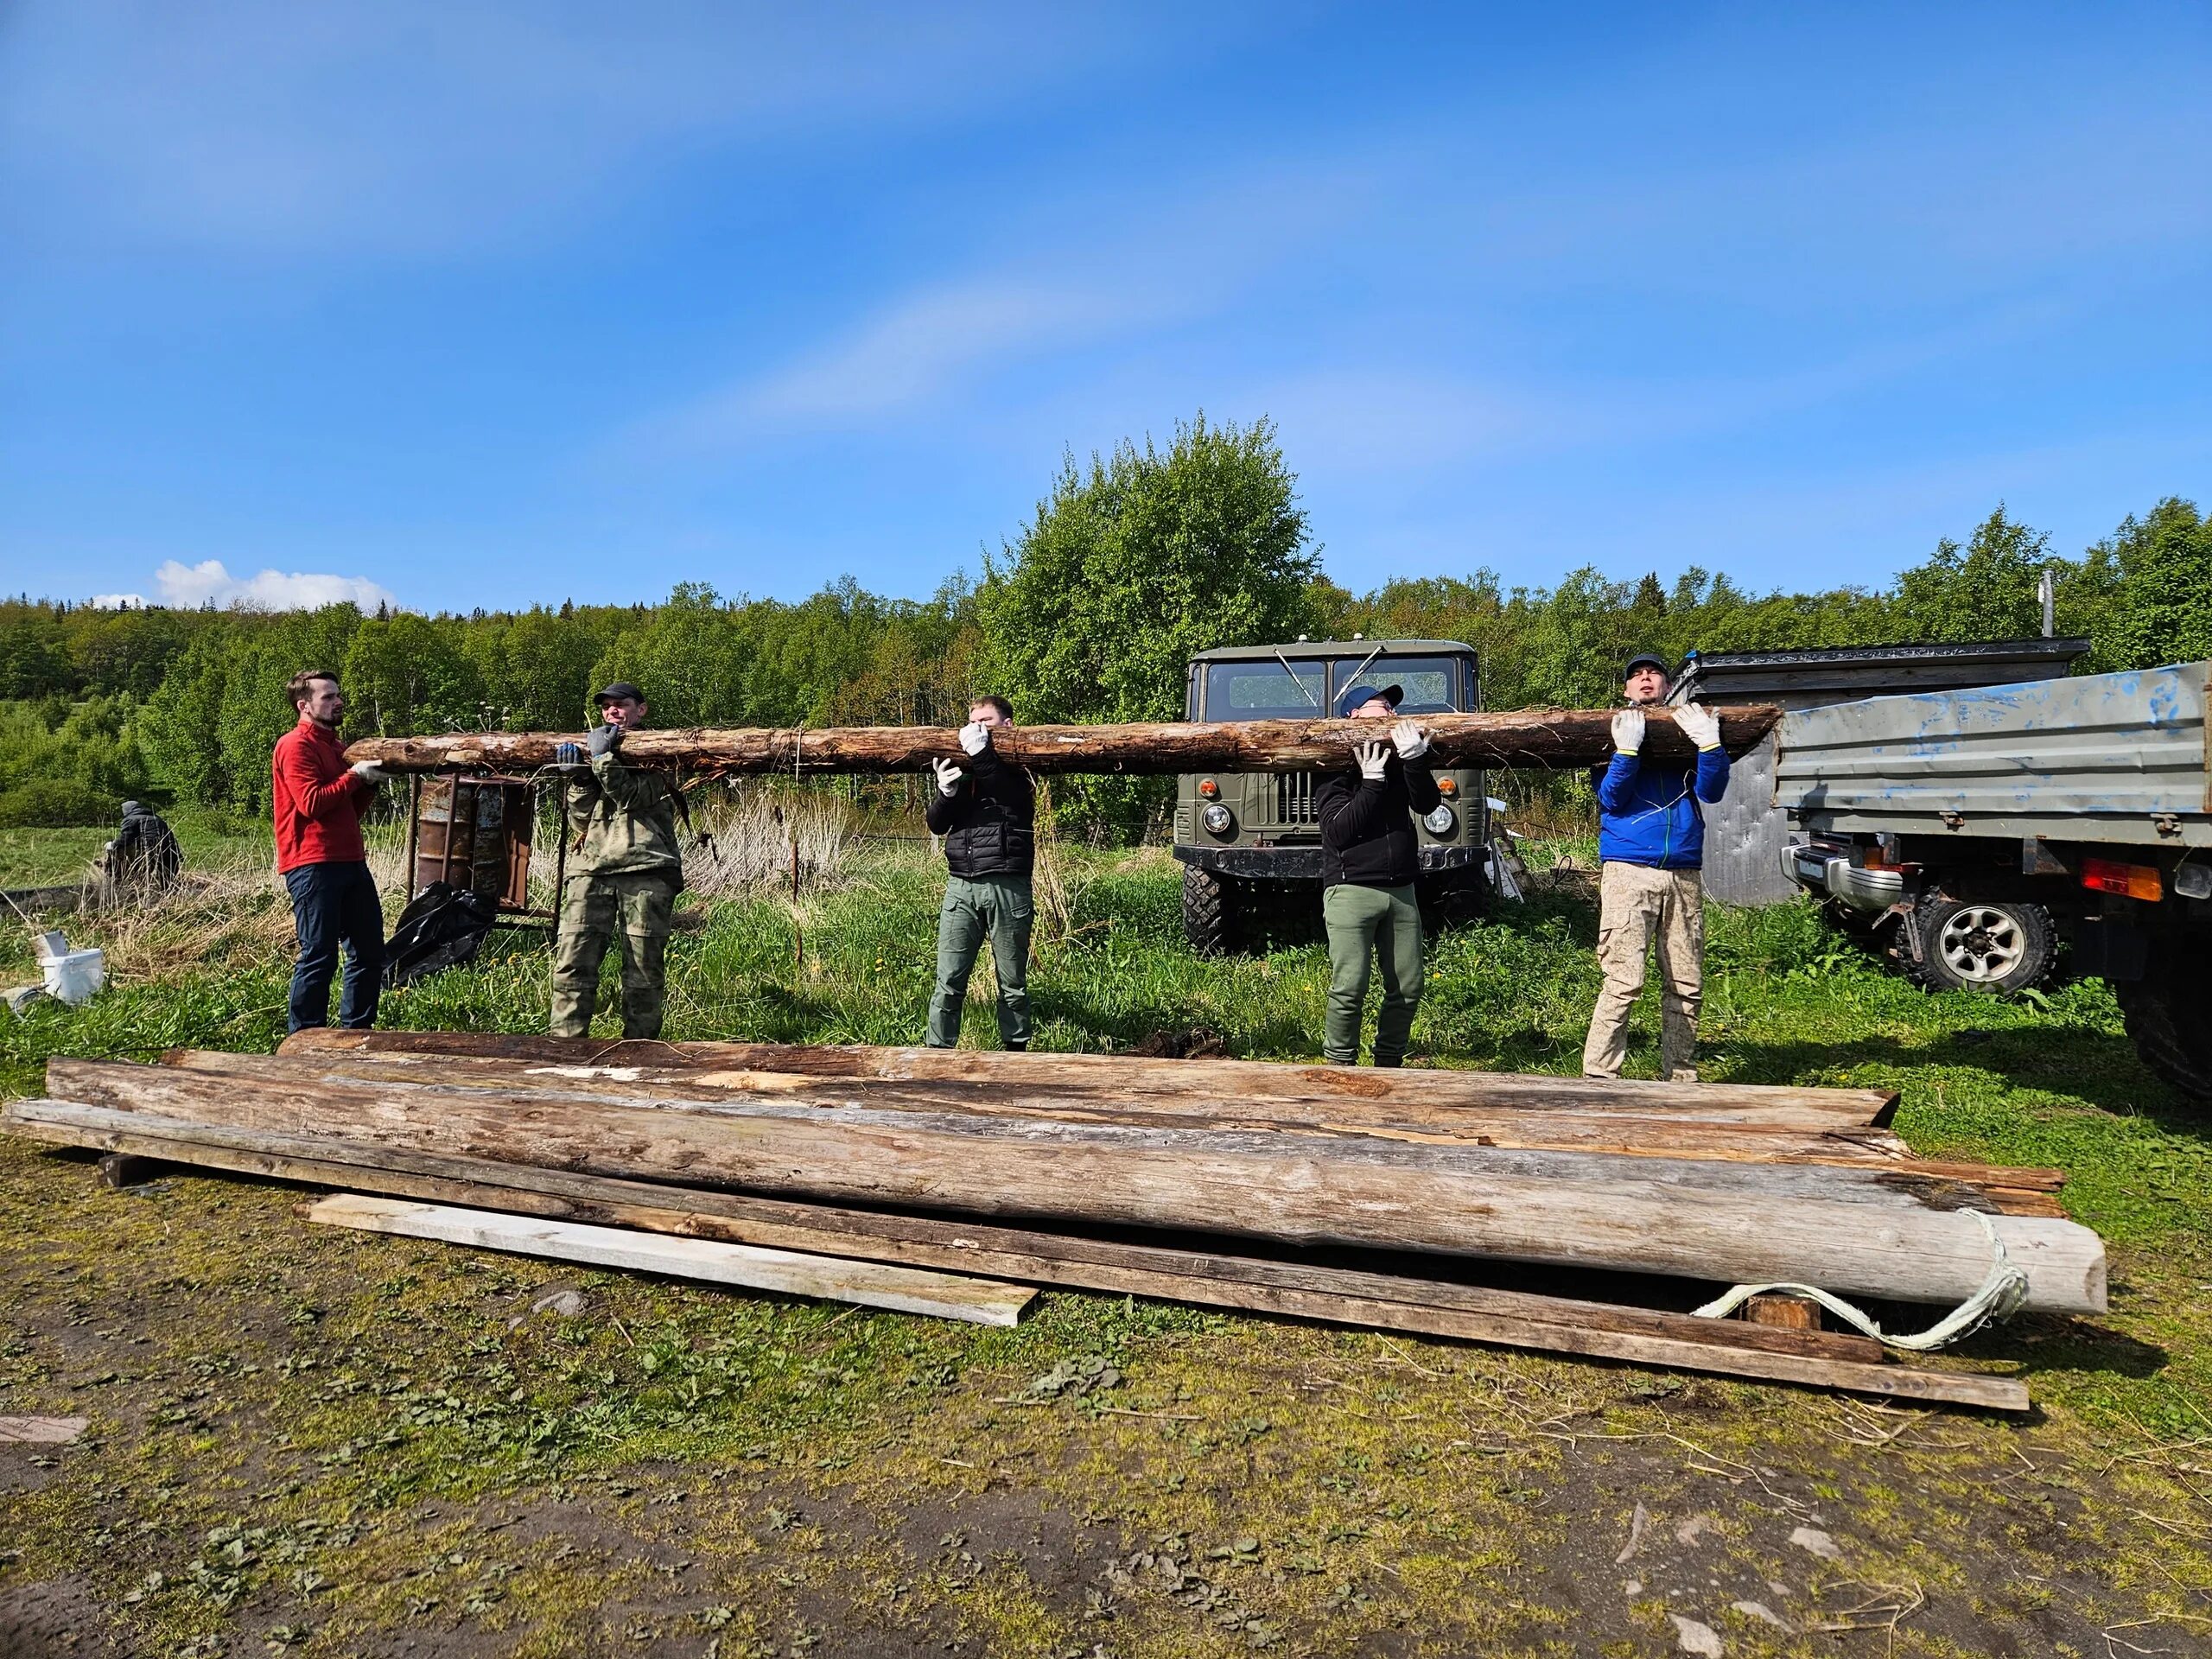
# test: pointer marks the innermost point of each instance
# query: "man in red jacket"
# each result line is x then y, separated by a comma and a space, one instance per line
317, 799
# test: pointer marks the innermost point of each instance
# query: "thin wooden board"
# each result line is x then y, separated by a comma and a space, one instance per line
750, 1266
1368, 1301
42, 1431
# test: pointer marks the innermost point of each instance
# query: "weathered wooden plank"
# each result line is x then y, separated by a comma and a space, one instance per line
749, 1266
1416, 1094
1330, 1294
1870, 1232
1519, 737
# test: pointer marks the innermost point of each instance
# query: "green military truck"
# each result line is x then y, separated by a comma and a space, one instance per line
1251, 842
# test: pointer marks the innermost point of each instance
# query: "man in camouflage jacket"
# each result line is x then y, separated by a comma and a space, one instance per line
624, 871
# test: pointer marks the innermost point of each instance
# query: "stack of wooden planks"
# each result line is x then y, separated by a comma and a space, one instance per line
1185, 1179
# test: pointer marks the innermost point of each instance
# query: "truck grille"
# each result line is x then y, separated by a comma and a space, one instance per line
1295, 798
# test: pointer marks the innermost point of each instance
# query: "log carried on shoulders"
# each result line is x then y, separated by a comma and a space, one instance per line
1859, 1231
1548, 738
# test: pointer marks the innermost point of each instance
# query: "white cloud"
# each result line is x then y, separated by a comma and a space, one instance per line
116, 602
189, 585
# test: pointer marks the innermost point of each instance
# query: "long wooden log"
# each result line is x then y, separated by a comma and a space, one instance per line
1345, 1296
1407, 1094
1548, 738
2014, 1192
1858, 1231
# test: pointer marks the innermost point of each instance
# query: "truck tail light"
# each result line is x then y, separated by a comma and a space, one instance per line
2134, 881
1209, 789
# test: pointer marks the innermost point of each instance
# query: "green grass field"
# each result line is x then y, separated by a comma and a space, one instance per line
323, 1443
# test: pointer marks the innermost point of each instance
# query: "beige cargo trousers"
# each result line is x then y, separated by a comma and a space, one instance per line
1637, 907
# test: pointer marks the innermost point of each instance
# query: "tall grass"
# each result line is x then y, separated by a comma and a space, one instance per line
764, 838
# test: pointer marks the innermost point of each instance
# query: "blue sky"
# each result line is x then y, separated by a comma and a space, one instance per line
484, 305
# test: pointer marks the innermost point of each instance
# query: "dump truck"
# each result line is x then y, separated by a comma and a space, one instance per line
2086, 801
1251, 842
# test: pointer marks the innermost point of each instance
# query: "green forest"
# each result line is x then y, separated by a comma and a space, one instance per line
1130, 562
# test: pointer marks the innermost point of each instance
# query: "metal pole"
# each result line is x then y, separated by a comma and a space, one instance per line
414, 827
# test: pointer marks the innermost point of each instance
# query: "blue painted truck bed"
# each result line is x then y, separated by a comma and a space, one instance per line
2106, 757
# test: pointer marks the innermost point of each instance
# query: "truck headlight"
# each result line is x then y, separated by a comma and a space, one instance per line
1441, 822
1216, 819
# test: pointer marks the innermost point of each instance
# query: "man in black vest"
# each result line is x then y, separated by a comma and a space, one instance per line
987, 812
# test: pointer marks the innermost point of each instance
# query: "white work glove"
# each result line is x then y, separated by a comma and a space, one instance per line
1628, 730
1412, 741
1701, 729
974, 737
1373, 760
369, 773
949, 775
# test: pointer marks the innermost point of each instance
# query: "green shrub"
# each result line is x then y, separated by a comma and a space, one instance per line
57, 804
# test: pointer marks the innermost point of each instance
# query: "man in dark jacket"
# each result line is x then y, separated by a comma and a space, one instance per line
1651, 847
142, 861
1370, 857
987, 812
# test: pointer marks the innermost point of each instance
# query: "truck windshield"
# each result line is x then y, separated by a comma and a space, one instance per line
1265, 690
1432, 684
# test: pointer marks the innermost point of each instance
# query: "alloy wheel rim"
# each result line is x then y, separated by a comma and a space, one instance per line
1981, 943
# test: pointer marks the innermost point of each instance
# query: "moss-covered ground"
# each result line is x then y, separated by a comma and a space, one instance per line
311, 1441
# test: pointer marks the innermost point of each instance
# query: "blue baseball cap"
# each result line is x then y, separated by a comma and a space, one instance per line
1363, 693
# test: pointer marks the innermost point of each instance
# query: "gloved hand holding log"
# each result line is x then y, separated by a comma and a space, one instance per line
1544, 738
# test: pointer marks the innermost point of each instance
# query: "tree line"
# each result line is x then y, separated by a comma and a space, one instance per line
1130, 562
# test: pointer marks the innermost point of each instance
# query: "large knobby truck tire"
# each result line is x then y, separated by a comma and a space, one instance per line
2167, 1023
1453, 898
1975, 945
1209, 910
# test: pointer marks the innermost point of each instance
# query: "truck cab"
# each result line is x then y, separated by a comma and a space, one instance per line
1251, 842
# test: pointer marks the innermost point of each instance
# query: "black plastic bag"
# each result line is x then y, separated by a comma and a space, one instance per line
442, 927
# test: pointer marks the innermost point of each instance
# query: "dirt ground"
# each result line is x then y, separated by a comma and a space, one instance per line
311, 1442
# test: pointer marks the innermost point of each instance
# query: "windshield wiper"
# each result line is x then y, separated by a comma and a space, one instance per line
1296, 681
1362, 669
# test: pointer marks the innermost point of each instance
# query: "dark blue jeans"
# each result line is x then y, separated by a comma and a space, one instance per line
333, 903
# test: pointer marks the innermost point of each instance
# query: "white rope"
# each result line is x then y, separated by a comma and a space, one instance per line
1998, 1297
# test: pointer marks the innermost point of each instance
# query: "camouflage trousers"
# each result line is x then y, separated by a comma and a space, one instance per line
595, 909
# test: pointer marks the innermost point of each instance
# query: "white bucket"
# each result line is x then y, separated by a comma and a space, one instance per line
73, 977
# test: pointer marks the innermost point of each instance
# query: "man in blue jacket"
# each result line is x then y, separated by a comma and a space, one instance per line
1651, 845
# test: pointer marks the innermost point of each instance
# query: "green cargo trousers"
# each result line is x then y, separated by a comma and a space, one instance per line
637, 906
974, 906
1367, 924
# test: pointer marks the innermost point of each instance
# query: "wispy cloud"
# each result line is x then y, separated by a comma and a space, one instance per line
189, 585
412, 126
1128, 276
917, 349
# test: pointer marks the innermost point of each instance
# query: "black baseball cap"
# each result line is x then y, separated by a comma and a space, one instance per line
618, 689
1643, 657
1355, 696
